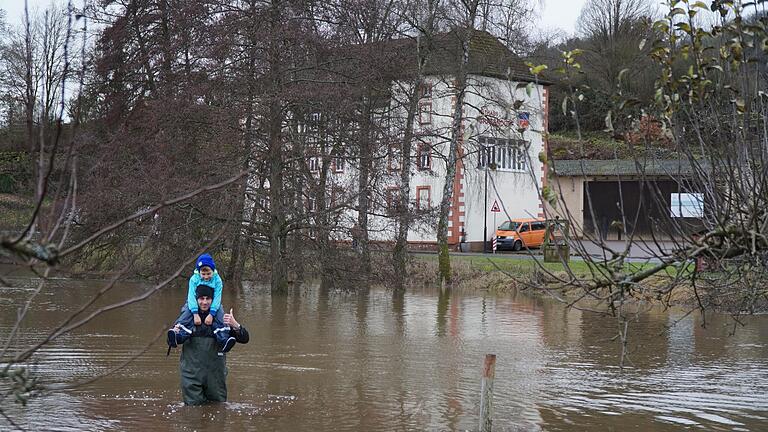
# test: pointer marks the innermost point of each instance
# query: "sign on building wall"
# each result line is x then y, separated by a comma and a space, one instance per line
523, 120
688, 205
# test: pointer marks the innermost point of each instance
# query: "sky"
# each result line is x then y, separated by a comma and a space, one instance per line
560, 14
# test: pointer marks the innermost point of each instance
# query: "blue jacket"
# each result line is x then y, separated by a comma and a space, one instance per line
217, 285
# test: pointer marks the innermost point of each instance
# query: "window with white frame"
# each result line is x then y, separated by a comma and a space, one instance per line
687, 205
337, 195
311, 204
264, 202
338, 161
393, 200
424, 157
423, 197
314, 163
502, 154
393, 157
425, 91
425, 113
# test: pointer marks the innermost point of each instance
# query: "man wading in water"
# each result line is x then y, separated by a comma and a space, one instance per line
203, 368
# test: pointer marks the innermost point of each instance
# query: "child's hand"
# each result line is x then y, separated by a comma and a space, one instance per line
198, 321
209, 319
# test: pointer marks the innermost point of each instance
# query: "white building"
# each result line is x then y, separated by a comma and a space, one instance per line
505, 127
505, 121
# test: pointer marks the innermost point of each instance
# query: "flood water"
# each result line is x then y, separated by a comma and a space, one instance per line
370, 362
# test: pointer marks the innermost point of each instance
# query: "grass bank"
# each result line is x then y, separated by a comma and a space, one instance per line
524, 265
506, 273
15, 211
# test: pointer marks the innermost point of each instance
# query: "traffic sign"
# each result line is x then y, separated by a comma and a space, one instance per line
495, 207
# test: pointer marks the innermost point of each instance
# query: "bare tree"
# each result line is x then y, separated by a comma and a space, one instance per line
612, 32
62, 227
423, 18
461, 22
33, 64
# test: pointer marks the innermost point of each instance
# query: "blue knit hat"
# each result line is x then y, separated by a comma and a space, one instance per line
205, 260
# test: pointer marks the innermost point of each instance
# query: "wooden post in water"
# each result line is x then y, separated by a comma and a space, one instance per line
486, 393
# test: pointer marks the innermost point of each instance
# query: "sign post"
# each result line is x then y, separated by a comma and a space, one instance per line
495, 209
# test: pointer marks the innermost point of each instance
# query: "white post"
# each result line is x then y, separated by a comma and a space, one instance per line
494, 231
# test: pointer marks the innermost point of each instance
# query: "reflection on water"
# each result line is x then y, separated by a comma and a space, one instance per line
323, 360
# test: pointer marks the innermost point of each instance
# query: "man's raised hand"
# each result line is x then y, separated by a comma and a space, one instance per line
229, 319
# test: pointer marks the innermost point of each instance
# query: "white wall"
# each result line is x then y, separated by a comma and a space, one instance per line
517, 193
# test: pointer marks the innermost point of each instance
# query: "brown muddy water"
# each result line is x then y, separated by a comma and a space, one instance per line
368, 362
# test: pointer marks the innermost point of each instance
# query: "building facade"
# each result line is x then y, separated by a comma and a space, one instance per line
614, 199
500, 150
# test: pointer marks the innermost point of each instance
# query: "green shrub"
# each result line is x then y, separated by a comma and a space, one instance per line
7, 183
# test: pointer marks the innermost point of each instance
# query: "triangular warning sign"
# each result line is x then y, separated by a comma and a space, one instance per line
495, 208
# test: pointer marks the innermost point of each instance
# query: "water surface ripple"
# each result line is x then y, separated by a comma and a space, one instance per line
327, 361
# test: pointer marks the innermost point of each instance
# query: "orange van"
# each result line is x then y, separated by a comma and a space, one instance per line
516, 234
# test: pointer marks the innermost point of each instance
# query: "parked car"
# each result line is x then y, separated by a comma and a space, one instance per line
518, 233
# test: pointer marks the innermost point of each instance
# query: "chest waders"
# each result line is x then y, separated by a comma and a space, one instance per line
203, 372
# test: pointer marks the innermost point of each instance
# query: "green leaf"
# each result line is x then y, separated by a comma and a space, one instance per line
549, 195
684, 27
676, 11
537, 69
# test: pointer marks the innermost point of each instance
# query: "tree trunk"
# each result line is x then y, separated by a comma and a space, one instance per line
322, 220
400, 252
277, 221
278, 280
237, 261
364, 193
29, 103
444, 263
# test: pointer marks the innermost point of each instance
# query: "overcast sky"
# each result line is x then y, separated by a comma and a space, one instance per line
560, 14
